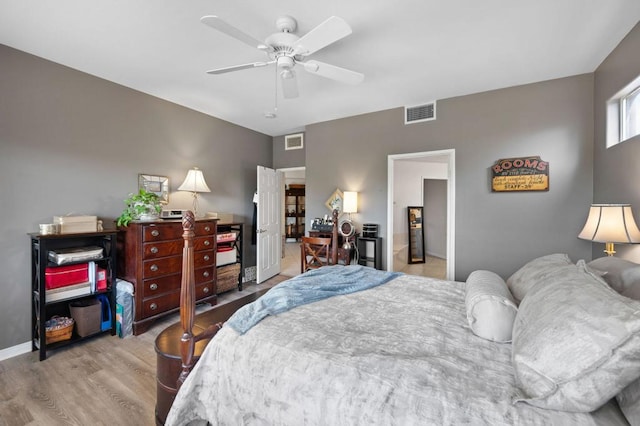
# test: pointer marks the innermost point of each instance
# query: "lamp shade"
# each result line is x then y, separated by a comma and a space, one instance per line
194, 182
610, 223
350, 202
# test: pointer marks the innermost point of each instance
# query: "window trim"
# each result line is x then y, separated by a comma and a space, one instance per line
624, 130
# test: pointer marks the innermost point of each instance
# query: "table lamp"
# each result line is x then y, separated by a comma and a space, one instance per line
194, 183
610, 224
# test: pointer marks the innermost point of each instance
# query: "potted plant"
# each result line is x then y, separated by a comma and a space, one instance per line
141, 206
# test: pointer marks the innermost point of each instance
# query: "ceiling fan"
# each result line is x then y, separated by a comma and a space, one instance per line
286, 50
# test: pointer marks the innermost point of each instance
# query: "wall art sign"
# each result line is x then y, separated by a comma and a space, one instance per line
520, 174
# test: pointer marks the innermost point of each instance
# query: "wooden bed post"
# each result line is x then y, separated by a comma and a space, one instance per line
187, 297
334, 239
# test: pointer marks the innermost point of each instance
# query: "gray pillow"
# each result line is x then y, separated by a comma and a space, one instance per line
491, 309
576, 342
535, 272
622, 275
629, 402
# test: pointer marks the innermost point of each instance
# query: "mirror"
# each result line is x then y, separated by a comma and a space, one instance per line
416, 235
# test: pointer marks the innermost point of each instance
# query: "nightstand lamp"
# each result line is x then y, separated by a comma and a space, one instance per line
346, 227
610, 224
194, 183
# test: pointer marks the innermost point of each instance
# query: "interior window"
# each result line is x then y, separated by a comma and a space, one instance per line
630, 114
623, 114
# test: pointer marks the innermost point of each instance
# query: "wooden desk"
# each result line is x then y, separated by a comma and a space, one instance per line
167, 347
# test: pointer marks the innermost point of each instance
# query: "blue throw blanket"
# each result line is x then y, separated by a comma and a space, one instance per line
309, 287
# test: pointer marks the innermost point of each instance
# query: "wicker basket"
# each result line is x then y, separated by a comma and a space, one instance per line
58, 329
227, 277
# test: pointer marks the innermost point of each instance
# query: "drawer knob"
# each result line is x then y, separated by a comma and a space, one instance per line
207, 228
205, 290
154, 267
154, 249
205, 274
153, 306
206, 257
153, 286
207, 242
155, 232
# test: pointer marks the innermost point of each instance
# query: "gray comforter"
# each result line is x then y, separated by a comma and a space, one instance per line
398, 354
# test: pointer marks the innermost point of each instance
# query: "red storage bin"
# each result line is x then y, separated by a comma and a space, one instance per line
61, 276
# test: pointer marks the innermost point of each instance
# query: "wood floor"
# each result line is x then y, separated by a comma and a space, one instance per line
102, 381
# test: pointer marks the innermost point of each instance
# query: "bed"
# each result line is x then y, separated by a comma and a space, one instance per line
410, 351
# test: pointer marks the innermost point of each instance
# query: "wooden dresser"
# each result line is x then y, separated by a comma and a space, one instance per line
150, 257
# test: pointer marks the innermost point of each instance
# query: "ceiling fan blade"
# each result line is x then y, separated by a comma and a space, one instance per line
240, 67
228, 29
330, 31
333, 72
289, 84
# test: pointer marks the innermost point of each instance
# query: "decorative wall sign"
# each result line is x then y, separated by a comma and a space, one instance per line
520, 174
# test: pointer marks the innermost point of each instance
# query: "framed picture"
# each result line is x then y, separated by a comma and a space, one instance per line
335, 201
159, 185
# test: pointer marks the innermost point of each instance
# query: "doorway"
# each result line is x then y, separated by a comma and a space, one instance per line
293, 219
406, 186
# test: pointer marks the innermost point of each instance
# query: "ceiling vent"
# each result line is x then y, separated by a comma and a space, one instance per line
417, 114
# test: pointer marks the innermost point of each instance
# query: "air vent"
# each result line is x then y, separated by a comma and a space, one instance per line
294, 141
417, 114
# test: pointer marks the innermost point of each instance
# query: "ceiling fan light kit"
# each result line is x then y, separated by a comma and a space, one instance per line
286, 49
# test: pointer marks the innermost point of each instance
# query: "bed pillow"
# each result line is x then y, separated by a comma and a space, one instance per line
576, 342
623, 276
629, 402
535, 272
491, 309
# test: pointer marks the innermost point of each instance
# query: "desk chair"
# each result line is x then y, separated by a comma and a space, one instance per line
314, 253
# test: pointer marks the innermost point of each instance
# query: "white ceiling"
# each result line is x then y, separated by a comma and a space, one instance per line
411, 51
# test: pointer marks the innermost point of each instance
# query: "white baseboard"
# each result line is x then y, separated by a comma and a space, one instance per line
16, 350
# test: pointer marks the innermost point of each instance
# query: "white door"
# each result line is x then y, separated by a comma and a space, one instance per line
268, 241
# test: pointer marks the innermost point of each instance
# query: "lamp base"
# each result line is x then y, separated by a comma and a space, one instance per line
608, 248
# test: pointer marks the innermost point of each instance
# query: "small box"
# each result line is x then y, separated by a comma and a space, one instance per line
222, 217
370, 230
87, 315
76, 224
225, 255
101, 279
228, 277
63, 276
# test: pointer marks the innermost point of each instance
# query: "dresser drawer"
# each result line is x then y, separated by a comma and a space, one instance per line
205, 228
164, 284
204, 243
161, 233
162, 303
203, 258
156, 286
205, 290
203, 274
158, 267
159, 304
162, 249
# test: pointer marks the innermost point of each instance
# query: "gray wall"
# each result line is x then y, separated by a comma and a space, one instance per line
497, 231
73, 143
283, 159
617, 169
